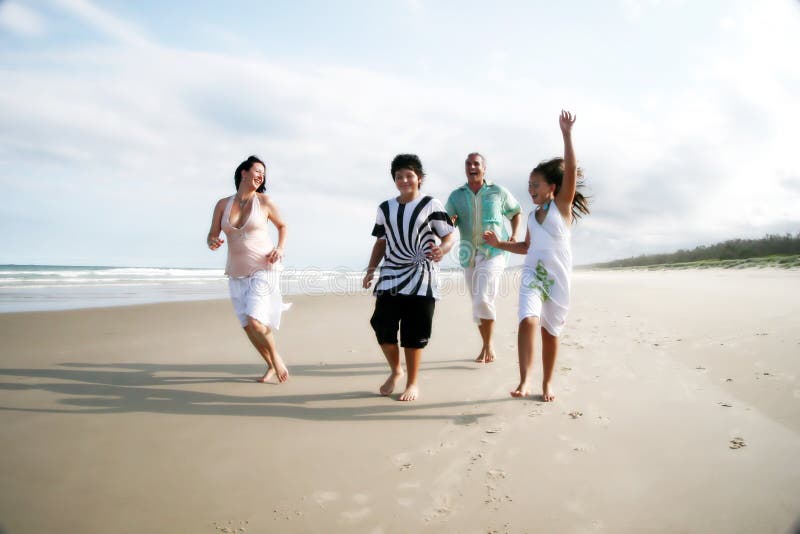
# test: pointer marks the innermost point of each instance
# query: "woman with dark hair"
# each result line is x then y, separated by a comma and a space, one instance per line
253, 261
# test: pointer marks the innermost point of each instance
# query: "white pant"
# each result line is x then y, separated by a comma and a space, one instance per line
483, 283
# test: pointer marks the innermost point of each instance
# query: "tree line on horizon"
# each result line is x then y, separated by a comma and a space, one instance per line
733, 249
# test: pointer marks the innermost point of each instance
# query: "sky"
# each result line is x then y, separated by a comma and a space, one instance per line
121, 123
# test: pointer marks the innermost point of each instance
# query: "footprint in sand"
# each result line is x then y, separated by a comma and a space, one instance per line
230, 528
737, 443
324, 497
356, 515
575, 414
725, 405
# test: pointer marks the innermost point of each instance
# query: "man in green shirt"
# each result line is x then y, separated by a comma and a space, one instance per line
476, 207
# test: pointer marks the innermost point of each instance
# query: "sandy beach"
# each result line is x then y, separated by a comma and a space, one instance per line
678, 410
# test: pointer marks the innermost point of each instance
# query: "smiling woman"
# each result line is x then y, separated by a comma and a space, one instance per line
253, 277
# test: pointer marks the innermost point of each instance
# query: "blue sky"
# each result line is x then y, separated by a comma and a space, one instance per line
121, 122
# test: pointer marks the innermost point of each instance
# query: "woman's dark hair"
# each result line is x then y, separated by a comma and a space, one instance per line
408, 161
246, 165
553, 172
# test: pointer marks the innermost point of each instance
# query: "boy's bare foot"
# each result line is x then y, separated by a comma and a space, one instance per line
523, 390
411, 393
267, 376
388, 387
548, 394
280, 368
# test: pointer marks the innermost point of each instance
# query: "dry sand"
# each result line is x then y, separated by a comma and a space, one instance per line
678, 410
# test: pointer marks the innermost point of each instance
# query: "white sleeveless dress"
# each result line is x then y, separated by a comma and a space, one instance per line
544, 285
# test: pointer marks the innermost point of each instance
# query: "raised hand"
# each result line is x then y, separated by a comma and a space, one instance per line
566, 120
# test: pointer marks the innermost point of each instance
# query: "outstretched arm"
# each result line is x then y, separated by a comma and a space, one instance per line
567, 192
378, 250
213, 240
516, 248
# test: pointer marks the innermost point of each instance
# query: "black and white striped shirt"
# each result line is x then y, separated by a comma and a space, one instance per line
410, 230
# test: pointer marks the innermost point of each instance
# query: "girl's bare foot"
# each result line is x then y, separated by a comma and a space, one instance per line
267, 376
523, 390
548, 394
280, 368
411, 393
388, 387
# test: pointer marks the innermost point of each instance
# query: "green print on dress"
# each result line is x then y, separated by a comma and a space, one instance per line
541, 282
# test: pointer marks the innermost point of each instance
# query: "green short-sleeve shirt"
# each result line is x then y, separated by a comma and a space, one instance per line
478, 213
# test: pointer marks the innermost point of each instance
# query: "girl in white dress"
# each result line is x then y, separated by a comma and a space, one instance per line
544, 285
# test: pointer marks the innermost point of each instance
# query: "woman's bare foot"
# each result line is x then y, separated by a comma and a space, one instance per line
411, 393
548, 394
267, 376
388, 387
280, 368
523, 390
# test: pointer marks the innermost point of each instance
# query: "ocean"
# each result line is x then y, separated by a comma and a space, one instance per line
58, 287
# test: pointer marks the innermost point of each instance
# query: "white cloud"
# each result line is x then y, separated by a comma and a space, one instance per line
106, 22
161, 130
20, 19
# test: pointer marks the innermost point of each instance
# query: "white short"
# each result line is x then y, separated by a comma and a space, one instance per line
258, 296
552, 316
483, 283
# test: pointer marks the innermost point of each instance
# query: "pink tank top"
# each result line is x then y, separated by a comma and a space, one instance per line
249, 245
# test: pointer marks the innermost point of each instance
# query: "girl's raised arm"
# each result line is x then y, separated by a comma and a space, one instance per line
567, 192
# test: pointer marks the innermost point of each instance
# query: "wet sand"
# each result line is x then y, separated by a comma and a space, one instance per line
678, 410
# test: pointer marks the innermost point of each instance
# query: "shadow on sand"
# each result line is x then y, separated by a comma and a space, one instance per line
161, 388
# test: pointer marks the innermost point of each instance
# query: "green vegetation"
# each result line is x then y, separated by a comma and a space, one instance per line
770, 251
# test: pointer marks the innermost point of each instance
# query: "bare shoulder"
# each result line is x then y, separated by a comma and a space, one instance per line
265, 200
221, 203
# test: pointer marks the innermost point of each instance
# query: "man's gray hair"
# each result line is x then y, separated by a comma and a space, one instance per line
483, 158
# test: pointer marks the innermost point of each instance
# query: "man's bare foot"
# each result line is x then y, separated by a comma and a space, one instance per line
411, 393
267, 376
388, 387
548, 394
523, 390
280, 368
486, 356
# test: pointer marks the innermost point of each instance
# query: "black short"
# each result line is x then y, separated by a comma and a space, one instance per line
413, 314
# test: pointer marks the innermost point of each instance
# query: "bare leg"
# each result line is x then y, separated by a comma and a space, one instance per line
486, 327
264, 354
413, 357
549, 353
262, 338
525, 346
392, 353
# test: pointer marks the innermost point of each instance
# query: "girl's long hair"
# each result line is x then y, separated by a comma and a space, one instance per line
553, 172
